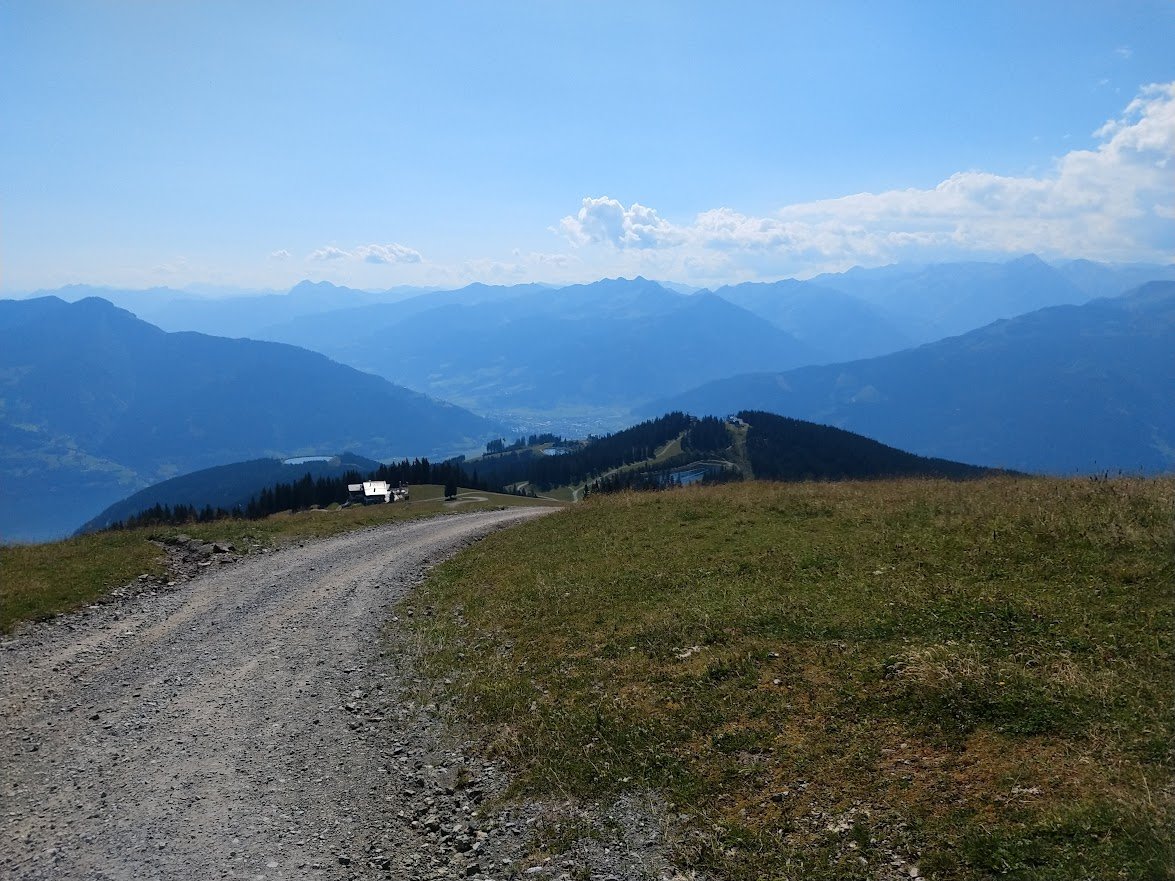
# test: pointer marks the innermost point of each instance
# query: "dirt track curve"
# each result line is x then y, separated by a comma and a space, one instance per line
243, 726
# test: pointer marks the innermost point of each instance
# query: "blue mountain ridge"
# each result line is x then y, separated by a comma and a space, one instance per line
1062, 390
97, 403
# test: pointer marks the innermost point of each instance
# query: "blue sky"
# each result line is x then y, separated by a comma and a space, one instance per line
374, 144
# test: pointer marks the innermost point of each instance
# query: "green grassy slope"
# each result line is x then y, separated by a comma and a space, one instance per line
42, 580
839, 680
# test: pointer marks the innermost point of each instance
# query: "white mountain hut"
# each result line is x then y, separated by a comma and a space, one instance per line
370, 492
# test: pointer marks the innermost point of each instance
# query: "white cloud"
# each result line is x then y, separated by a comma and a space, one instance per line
379, 254
540, 258
330, 252
535, 265
280, 254
607, 220
391, 253
1111, 202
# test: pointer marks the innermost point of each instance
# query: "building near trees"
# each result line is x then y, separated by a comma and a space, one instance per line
375, 492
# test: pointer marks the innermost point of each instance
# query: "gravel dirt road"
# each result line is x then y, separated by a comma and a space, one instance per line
247, 724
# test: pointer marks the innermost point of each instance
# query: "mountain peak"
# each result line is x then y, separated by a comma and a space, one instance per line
308, 286
92, 307
1028, 261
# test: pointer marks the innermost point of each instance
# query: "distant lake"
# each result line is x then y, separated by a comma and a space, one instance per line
690, 474
694, 475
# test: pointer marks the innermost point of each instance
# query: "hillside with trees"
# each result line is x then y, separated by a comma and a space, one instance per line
678, 448
595, 456
780, 448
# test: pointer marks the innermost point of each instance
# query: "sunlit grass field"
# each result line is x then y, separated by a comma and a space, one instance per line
839, 680
41, 580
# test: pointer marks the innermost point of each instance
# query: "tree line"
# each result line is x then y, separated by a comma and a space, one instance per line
164, 515
780, 448
706, 435
308, 492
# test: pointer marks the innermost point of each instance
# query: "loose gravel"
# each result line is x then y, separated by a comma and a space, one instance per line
261, 717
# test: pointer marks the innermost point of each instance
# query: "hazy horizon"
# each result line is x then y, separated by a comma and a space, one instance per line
253, 146
206, 291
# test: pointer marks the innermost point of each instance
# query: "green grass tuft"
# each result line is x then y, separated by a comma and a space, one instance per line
39, 581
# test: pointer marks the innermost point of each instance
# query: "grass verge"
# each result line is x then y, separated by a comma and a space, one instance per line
839, 680
42, 580
39, 581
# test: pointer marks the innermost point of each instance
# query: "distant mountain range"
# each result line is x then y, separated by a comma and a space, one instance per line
95, 403
611, 344
838, 325
617, 344
589, 356
863, 313
932, 302
1067, 389
310, 330
241, 315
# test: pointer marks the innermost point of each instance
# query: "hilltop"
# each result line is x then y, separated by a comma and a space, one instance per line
678, 449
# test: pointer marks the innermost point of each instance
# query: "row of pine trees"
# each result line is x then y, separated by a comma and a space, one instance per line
308, 492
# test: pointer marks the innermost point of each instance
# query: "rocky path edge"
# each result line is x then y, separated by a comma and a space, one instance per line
263, 720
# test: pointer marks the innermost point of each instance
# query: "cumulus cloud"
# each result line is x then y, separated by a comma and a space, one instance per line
607, 220
280, 254
1111, 202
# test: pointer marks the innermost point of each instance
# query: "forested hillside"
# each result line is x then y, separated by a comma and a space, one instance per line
780, 448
